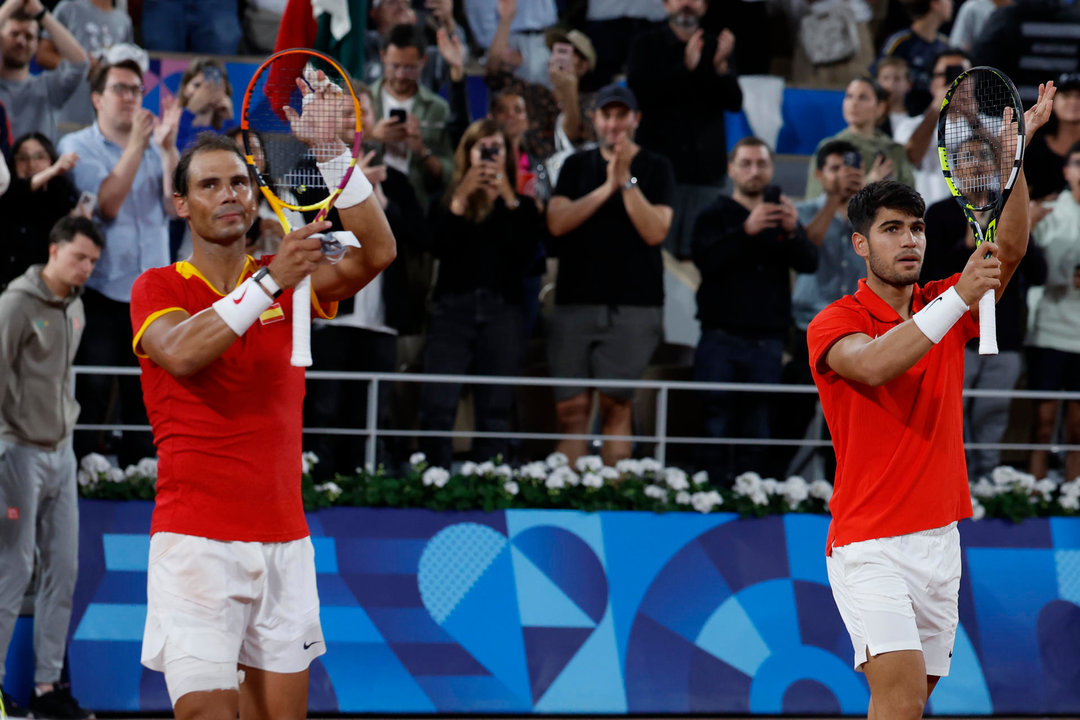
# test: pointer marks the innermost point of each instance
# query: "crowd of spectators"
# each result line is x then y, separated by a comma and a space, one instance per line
602, 149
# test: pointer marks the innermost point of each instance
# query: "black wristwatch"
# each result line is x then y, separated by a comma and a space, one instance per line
37, 18
266, 281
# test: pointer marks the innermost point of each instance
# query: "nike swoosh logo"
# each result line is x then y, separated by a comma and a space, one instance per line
309, 644
240, 299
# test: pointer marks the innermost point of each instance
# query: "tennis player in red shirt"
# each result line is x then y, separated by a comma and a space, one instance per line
233, 612
888, 363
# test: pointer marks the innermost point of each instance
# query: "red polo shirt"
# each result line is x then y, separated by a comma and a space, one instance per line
227, 436
900, 464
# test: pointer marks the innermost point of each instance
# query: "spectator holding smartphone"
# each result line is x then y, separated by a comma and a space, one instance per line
485, 234
411, 120
745, 247
206, 99
39, 195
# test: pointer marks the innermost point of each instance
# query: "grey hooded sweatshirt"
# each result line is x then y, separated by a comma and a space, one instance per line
39, 334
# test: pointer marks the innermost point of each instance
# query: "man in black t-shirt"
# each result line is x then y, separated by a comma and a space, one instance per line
745, 247
608, 217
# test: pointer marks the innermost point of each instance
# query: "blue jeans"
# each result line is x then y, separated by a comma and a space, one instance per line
726, 358
197, 26
475, 333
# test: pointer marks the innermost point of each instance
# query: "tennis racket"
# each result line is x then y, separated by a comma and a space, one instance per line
300, 108
981, 149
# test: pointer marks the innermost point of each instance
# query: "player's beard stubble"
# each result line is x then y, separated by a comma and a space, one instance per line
886, 271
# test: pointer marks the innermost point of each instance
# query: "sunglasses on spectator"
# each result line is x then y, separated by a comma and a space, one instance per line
121, 89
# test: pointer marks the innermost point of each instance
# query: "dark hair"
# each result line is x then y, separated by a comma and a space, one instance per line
45, 143
833, 147
748, 141
947, 52
21, 15
206, 142
864, 205
477, 207
916, 8
406, 36
101, 73
889, 61
67, 227
880, 93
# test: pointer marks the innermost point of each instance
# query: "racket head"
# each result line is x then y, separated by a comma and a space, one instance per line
981, 139
300, 107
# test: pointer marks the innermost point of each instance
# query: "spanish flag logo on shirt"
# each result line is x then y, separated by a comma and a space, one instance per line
272, 314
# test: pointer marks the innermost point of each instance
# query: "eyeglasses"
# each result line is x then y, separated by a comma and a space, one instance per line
23, 157
402, 70
123, 90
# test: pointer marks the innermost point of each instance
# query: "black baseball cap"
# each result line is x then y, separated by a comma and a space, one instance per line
615, 93
1068, 81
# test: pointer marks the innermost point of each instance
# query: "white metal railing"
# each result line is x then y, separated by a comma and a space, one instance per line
372, 432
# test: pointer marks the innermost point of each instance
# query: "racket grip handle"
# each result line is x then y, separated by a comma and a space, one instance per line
987, 324
301, 324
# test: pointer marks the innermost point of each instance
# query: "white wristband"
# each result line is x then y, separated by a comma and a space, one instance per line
358, 188
941, 314
243, 306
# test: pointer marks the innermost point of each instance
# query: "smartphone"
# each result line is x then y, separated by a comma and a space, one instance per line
853, 158
212, 74
489, 152
86, 205
562, 56
771, 194
398, 114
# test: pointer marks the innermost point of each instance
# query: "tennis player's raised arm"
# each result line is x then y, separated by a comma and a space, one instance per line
877, 361
360, 265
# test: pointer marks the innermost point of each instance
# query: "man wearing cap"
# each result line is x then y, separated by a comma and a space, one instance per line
609, 213
684, 81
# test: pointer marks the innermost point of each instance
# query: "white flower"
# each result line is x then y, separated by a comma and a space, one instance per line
115, 475
651, 465
557, 460
1070, 502
563, 476
759, 497
795, 489
985, 489
676, 479
588, 463
485, 468
330, 488
555, 481
656, 492
978, 512
1004, 475
682, 497
533, 471
1045, 488
592, 480
86, 479
504, 471
435, 476
417, 458
468, 468
95, 464
609, 473
147, 467
511, 487
770, 486
130, 472
704, 502
747, 483
701, 477
628, 466
308, 461
1070, 489
822, 490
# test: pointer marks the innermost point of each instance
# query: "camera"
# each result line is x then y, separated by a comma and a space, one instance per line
398, 114
489, 152
852, 158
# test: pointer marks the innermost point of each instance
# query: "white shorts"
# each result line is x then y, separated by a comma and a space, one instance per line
214, 604
900, 593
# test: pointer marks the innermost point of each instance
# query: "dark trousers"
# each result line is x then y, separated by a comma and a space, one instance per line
103, 398
470, 333
343, 403
724, 357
